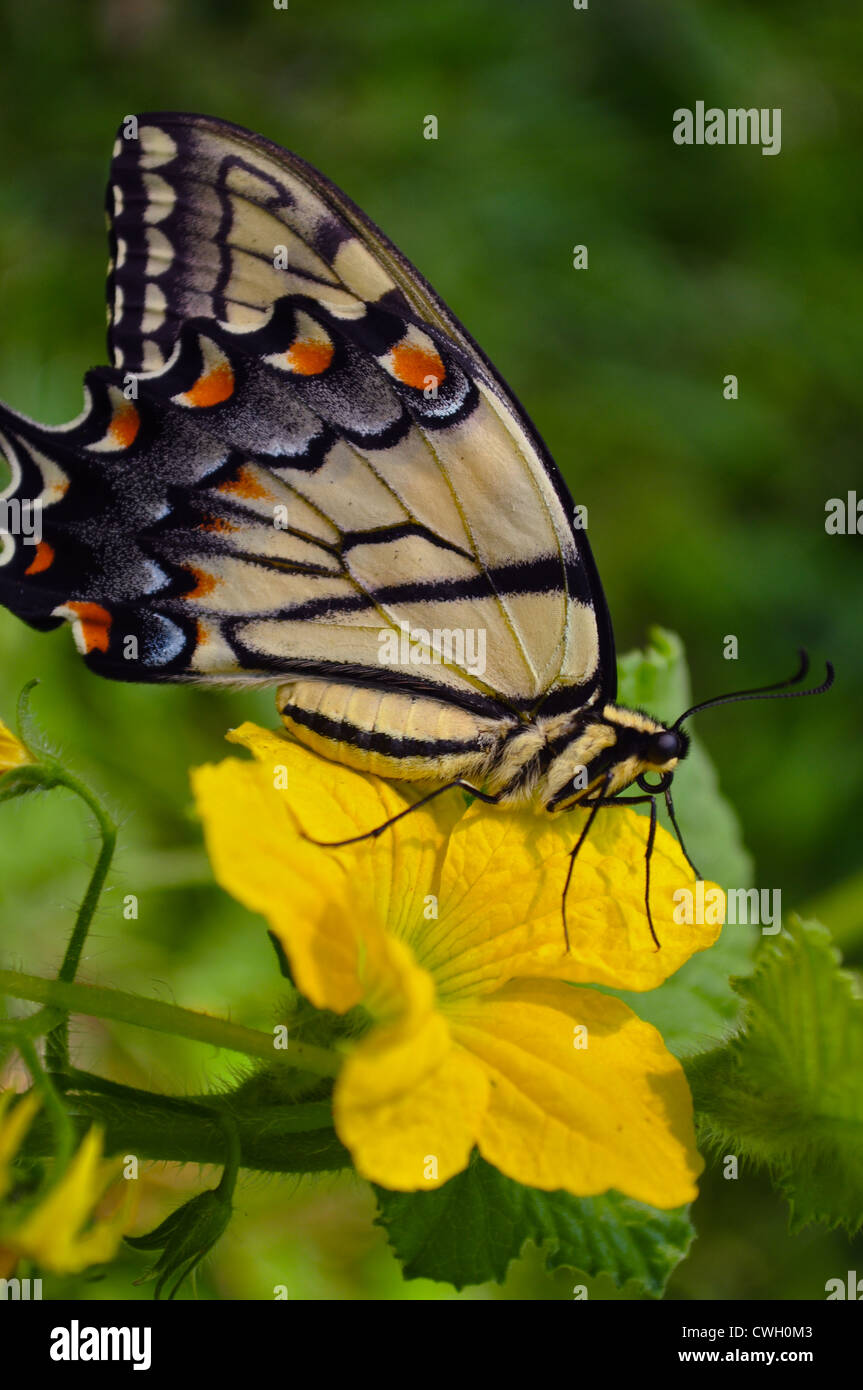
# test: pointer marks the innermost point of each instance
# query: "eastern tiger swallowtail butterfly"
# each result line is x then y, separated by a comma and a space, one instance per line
301, 469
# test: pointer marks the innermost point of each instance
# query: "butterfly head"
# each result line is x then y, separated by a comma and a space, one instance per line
661, 752
611, 748
607, 753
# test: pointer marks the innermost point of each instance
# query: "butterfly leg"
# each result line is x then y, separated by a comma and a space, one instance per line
594, 807
488, 798
648, 853
671, 816
640, 801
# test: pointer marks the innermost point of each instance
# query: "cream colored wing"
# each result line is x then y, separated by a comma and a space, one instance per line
320, 472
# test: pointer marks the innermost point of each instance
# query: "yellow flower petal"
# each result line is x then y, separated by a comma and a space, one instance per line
321, 903
252, 843
12, 751
13, 1127
56, 1234
501, 916
407, 1103
614, 1114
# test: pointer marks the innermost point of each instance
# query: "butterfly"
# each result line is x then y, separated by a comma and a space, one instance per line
301, 469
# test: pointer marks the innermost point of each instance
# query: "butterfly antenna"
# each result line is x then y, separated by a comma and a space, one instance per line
777, 691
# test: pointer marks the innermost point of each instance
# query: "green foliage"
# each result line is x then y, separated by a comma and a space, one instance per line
788, 1091
695, 1008
469, 1230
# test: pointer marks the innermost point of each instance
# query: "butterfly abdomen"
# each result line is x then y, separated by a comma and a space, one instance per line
390, 733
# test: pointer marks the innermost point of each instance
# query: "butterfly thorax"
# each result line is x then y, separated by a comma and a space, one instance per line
559, 762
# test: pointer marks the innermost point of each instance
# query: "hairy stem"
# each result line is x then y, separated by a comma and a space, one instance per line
57, 1046
281, 1139
99, 1002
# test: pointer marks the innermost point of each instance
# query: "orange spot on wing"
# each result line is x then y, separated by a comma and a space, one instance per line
211, 388
42, 560
415, 365
95, 624
204, 584
217, 523
308, 358
124, 426
244, 484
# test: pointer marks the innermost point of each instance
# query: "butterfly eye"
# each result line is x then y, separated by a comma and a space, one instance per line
665, 746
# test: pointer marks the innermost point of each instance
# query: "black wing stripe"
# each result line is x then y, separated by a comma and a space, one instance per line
374, 741
538, 577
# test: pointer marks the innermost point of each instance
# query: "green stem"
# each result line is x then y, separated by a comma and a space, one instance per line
278, 1139
33, 1026
61, 1122
108, 836
233, 1156
27, 731
77, 1083
99, 1002
57, 1049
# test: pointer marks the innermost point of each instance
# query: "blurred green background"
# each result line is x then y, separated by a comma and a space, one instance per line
705, 515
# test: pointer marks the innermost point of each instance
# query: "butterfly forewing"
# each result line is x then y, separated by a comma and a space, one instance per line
300, 468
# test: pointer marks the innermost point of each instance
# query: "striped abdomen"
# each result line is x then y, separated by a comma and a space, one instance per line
390, 733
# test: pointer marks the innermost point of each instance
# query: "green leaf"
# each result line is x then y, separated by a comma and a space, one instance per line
788, 1092
841, 904
657, 680
469, 1230
695, 1008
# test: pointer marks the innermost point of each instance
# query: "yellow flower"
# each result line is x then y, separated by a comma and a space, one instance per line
60, 1233
12, 751
13, 1127
447, 931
